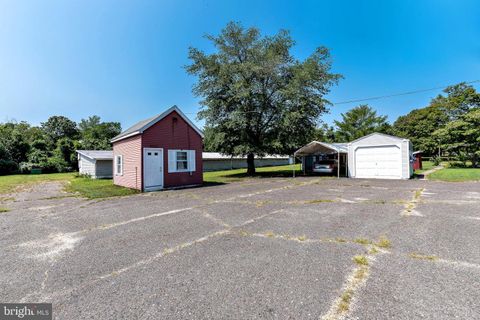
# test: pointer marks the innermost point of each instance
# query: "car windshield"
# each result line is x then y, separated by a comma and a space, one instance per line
325, 162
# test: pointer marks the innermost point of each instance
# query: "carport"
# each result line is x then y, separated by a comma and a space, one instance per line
316, 151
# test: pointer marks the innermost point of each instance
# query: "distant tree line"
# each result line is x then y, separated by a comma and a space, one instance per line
51, 146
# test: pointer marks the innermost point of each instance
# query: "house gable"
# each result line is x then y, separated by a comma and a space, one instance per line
143, 125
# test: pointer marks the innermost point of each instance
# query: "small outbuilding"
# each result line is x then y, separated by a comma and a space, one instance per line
164, 151
417, 160
95, 163
380, 156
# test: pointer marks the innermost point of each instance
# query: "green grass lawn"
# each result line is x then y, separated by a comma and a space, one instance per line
104, 188
97, 188
456, 174
426, 165
227, 176
13, 182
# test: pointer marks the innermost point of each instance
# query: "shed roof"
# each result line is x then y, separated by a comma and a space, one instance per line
97, 154
143, 125
321, 147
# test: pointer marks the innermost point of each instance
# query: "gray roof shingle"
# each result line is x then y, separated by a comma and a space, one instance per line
97, 154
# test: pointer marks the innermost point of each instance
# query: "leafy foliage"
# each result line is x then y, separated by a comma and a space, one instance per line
257, 98
58, 127
461, 137
444, 111
96, 135
358, 122
418, 126
51, 146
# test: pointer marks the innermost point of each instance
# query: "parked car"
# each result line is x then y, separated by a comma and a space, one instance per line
325, 166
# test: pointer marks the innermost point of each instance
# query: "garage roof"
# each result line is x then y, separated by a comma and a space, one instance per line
378, 134
97, 154
315, 147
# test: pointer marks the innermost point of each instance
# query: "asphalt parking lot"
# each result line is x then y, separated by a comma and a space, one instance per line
273, 248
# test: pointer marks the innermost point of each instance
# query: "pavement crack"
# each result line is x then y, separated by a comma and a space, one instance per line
409, 208
355, 280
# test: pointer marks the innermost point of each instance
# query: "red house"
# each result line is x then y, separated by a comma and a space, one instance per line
164, 151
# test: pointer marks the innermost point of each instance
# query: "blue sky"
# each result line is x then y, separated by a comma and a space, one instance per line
123, 60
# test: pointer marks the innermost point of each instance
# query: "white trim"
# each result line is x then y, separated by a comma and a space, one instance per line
157, 119
380, 134
173, 159
81, 152
116, 164
125, 137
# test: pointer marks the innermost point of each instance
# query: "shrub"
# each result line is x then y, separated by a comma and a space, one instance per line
55, 164
26, 167
7, 167
436, 160
457, 164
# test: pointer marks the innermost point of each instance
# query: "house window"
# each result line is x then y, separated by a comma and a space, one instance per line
181, 160
119, 165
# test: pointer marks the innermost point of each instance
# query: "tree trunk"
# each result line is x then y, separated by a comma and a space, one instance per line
474, 161
250, 164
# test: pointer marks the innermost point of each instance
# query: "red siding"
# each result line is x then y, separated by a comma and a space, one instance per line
175, 134
417, 164
130, 149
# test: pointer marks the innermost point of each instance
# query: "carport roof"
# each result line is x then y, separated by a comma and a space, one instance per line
321, 147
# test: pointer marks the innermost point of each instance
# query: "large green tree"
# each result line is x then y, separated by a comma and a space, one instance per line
57, 127
461, 137
358, 122
257, 98
420, 124
325, 133
96, 135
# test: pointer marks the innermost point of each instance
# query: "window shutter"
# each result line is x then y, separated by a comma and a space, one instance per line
191, 160
172, 161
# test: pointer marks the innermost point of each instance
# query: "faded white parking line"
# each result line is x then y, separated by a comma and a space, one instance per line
155, 215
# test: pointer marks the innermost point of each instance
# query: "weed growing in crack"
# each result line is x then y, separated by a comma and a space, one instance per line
383, 242
261, 203
361, 273
269, 234
345, 298
362, 241
244, 233
422, 257
373, 250
318, 201
3, 210
302, 238
361, 260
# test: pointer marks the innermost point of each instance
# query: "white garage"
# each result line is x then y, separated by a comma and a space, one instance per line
380, 156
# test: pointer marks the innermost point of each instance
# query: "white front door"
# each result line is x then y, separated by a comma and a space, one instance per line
152, 168
382, 162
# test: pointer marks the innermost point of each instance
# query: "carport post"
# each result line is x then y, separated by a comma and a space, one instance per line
346, 165
338, 164
293, 165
